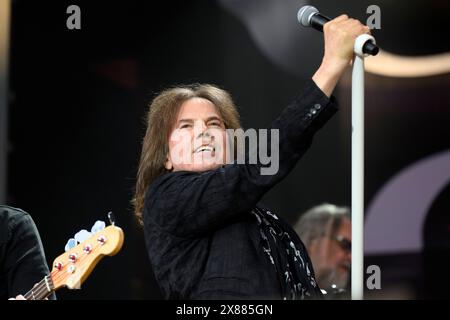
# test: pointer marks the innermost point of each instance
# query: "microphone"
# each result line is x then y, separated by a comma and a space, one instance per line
309, 16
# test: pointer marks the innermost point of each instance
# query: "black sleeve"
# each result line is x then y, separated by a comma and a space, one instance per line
25, 263
187, 204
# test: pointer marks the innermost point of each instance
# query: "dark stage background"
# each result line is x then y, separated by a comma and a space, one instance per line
78, 100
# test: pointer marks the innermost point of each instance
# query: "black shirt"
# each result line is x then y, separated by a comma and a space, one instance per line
203, 240
22, 259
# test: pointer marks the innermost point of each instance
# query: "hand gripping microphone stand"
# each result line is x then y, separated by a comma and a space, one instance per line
365, 44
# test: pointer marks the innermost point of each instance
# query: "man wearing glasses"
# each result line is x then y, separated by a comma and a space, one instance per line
327, 233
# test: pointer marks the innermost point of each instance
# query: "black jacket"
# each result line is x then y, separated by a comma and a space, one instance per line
22, 259
201, 239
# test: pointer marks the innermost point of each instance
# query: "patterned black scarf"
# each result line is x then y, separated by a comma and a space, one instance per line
291, 262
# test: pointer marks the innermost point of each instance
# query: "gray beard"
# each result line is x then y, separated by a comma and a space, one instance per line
330, 277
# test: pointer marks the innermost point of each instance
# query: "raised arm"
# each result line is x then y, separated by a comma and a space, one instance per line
188, 204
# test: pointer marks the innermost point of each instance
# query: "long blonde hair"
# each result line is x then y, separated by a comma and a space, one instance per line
161, 117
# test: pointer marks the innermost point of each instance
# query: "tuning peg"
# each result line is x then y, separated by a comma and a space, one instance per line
112, 218
98, 225
70, 244
82, 235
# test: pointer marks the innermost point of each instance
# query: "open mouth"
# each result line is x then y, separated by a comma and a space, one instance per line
205, 148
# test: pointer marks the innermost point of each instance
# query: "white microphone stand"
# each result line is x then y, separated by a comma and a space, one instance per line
357, 206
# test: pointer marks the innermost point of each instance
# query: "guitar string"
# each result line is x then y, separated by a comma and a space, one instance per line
58, 273
41, 288
30, 293
55, 275
39, 291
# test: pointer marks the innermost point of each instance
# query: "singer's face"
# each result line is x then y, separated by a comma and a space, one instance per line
198, 140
